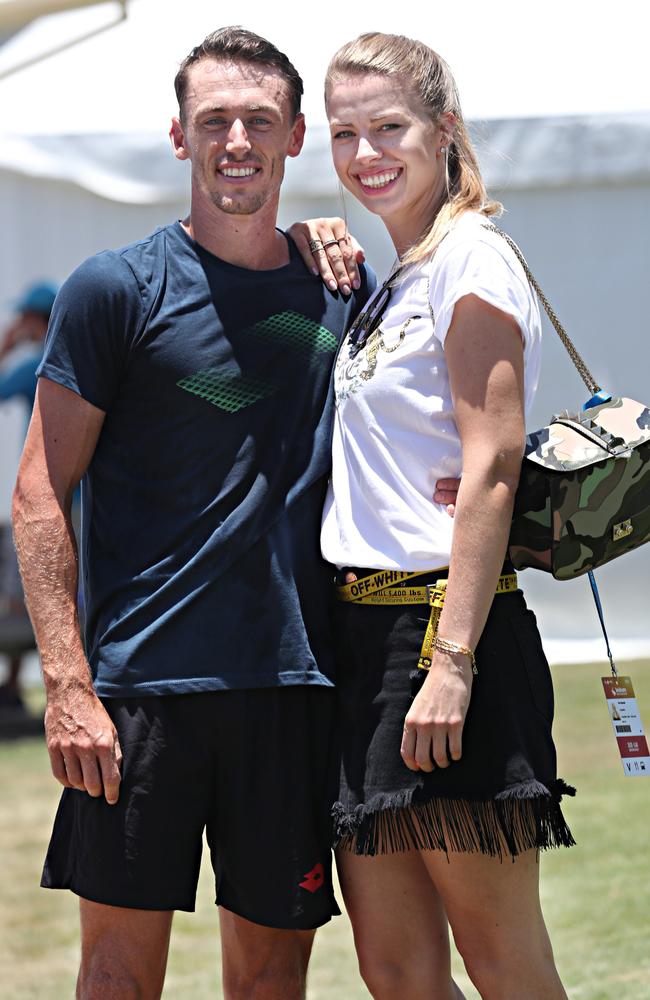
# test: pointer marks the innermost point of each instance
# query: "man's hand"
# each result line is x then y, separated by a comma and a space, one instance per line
328, 249
433, 727
82, 743
446, 493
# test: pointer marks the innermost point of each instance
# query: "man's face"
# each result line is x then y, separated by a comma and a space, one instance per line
237, 129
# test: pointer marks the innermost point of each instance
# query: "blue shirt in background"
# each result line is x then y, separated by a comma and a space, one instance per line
19, 380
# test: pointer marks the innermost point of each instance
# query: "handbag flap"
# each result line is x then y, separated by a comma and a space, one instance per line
571, 442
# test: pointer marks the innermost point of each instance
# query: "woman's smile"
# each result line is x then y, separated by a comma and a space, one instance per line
380, 181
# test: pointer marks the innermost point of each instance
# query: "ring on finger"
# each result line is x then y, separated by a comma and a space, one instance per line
316, 246
330, 243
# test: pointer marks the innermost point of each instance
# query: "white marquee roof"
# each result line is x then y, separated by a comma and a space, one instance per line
562, 106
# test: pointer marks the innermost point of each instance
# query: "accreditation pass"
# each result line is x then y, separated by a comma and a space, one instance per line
624, 713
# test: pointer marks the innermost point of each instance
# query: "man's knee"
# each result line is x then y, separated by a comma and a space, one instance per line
275, 970
262, 963
123, 952
102, 980
275, 980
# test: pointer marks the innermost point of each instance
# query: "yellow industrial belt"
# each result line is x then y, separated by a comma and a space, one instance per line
392, 587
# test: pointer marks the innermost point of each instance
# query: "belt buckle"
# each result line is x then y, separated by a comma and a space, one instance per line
436, 593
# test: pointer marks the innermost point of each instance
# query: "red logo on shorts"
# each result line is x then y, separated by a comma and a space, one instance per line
313, 879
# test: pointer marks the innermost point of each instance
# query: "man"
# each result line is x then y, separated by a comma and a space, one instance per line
186, 379
21, 350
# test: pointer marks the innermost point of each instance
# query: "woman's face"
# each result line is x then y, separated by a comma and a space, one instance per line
386, 151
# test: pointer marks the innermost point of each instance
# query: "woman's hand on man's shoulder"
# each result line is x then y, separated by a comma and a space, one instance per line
329, 250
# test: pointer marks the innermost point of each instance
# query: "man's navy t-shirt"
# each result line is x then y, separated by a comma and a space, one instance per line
201, 506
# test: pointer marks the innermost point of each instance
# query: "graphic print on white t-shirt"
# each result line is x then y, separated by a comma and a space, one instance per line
352, 372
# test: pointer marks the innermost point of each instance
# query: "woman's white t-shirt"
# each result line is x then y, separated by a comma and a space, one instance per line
394, 431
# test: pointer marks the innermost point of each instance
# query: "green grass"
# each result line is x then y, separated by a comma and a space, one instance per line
595, 896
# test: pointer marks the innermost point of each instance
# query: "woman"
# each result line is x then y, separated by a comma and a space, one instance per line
449, 786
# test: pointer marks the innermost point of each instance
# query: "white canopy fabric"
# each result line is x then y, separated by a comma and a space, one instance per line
509, 59
98, 113
139, 168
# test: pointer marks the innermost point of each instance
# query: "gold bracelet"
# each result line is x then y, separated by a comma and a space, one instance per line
448, 646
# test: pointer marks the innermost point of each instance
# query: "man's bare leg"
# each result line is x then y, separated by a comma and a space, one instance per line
262, 963
123, 952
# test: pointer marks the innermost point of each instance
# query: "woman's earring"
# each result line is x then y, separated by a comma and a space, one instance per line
444, 152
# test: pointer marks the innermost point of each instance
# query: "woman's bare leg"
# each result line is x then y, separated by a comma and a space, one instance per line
400, 927
496, 918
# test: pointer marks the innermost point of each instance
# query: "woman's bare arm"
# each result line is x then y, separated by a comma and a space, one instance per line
485, 362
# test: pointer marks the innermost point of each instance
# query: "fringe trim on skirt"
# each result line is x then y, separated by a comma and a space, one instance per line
526, 816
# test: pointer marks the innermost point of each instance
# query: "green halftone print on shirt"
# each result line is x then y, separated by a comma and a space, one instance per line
233, 392
228, 392
298, 331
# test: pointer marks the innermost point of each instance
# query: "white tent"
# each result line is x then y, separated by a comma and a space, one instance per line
85, 164
97, 113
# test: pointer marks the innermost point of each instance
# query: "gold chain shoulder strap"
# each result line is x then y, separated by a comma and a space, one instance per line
583, 371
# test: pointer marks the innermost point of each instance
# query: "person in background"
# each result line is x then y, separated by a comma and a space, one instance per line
21, 350
24, 337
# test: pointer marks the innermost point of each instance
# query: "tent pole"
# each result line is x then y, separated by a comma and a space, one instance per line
123, 4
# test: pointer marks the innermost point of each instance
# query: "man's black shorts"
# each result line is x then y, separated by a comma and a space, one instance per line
255, 769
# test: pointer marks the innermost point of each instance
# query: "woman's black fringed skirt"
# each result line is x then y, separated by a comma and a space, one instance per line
503, 796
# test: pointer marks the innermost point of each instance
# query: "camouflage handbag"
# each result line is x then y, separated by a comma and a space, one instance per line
584, 491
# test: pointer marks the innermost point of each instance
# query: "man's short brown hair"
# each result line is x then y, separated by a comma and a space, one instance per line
239, 45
